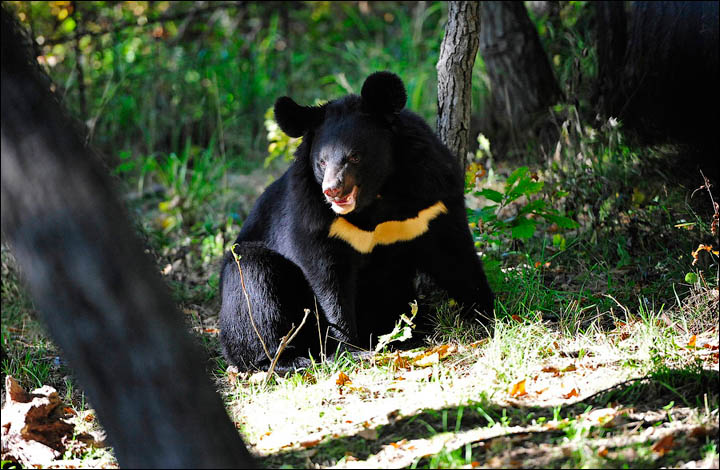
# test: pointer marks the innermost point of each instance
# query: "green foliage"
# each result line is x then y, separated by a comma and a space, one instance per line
402, 330
280, 145
521, 225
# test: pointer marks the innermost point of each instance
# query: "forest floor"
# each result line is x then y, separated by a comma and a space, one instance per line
602, 356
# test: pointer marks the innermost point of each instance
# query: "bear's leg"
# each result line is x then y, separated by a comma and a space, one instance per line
448, 255
385, 289
278, 294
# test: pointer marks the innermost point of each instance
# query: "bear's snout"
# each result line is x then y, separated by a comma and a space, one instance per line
333, 192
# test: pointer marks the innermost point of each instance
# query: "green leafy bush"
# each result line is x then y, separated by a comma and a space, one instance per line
519, 189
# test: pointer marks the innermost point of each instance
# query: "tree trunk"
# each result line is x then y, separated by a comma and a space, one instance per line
102, 300
521, 79
611, 43
671, 68
457, 56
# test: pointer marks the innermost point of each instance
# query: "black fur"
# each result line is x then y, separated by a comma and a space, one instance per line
398, 167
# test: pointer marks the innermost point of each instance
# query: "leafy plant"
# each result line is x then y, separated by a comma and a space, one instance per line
280, 145
402, 330
518, 189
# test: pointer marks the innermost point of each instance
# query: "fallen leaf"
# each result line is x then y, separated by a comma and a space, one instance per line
69, 411
369, 434
573, 393
603, 451
518, 390
313, 443
710, 347
212, 330
701, 248
401, 362
551, 369
692, 341
665, 444
517, 318
398, 444
570, 368
343, 379
699, 431
89, 418
425, 361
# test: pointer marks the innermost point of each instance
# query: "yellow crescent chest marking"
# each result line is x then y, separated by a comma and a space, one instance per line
386, 233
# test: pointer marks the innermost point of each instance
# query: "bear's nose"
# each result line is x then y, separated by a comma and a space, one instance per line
332, 192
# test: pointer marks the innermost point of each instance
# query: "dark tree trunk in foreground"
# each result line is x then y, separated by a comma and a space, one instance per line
101, 298
521, 79
457, 56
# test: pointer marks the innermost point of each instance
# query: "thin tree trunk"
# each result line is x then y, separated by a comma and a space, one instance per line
522, 81
103, 302
457, 57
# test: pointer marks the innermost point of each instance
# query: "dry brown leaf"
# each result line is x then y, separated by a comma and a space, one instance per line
665, 444
398, 444
702, 248
603, 451
343, 379
213, 331
427, 360
475, 344
308, 444
551, 369
692, 341
517, 318
710, 347
369, 434
401, 362
570, 368
699, 431
518, 390
572, 393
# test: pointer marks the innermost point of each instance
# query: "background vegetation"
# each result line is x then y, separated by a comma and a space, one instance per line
593, 244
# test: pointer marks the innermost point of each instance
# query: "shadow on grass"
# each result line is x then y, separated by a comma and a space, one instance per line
685, 387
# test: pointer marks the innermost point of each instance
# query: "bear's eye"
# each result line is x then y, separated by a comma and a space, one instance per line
354, 158
322, 163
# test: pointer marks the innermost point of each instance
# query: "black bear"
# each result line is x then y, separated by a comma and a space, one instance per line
372, 198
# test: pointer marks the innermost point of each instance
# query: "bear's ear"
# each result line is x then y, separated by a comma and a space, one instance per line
383, 93
294, 119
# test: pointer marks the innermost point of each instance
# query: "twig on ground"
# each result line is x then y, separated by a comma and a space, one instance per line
247, 299
284, 342
317, 318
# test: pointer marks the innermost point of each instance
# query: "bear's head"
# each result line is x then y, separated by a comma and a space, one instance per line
351, 140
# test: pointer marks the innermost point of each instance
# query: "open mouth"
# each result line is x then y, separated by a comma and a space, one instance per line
343, 204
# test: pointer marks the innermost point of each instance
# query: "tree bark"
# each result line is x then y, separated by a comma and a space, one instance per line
611, 43
457, 57
671, 67
102, 300
521, 79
